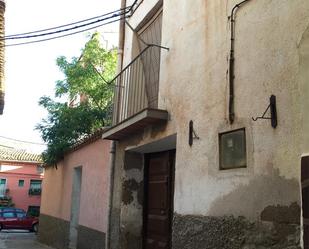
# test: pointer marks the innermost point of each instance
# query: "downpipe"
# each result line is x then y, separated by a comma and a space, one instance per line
231, 62
113, 143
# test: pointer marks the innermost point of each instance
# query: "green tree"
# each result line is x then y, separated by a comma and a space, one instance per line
89, 75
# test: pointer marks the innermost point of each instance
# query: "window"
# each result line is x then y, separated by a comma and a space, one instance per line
8, 215
21, 183
21, 215
39, 169
34, 211
232, 149
2, 187
35, 187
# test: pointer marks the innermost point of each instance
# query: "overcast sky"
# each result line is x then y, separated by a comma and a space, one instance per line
31, 71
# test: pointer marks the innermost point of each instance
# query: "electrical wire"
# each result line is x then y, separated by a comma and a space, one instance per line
61, 36
67, 29
63, 26
120, 14
17, 140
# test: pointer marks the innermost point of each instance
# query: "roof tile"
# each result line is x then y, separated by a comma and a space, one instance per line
17, 155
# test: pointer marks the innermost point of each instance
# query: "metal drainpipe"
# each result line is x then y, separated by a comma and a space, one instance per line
2, 59
231, 62
113, 144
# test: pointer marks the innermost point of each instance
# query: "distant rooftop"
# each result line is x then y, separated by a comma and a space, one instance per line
17, 155
33, 148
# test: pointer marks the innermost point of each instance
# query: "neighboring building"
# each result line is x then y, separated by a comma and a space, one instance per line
21, 175
2, 48
192, 168
75, 197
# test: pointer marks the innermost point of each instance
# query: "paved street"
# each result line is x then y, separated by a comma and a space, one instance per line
18, 239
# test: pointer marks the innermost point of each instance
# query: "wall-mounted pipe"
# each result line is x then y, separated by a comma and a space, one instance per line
231, 62
113, 143
2, 49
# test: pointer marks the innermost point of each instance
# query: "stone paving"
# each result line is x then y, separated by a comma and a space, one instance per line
18, 239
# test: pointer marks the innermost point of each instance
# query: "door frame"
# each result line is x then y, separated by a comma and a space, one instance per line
77, 175
172, 161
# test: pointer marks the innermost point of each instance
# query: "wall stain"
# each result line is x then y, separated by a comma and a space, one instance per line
140, 193
127, 190
133, 161
282, 214
258, 193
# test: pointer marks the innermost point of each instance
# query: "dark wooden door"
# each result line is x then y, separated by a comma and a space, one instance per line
158, 210
305, 198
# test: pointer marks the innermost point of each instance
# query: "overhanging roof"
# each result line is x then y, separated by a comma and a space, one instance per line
9, 154
135, 123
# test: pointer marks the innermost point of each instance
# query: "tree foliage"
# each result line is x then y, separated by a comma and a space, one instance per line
89, 75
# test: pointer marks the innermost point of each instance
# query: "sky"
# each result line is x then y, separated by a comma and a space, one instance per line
30, 70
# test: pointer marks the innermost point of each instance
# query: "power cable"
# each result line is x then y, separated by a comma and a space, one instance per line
67, 29
122, 13
61, 36
63, 26
17, 140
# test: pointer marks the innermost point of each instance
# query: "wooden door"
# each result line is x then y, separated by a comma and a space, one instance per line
158, 210
305, 198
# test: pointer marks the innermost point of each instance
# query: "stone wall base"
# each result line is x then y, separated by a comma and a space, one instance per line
90, 239
54, 231
228, 232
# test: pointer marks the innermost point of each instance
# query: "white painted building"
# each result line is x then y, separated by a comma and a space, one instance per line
192, 168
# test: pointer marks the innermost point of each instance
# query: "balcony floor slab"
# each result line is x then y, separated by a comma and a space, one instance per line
135, 123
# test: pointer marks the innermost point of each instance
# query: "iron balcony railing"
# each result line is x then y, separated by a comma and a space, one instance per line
35, 191
136, 87
3, 191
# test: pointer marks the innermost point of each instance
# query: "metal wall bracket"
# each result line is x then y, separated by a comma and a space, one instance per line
192, 133
273, 112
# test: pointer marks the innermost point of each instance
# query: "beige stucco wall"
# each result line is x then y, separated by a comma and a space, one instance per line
57, 186
271, 58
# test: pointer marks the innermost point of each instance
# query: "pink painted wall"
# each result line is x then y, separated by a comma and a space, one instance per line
13, 172
57, 186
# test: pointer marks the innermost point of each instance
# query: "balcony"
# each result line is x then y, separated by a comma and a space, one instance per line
4, 192
135, 98
34, 191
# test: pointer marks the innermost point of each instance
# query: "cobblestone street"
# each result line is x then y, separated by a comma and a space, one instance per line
18, 239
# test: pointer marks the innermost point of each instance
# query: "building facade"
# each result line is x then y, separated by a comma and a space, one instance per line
75, 197
211, 126
21, 176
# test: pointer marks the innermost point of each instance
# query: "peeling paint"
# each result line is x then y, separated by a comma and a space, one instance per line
258, 193
127, 190
140, 193
282, 214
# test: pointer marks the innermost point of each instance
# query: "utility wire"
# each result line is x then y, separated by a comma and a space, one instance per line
63, 26
17, 140
67, 29
121, 14
61, 36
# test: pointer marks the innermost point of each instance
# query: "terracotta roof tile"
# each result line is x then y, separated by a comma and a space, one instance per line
17, 155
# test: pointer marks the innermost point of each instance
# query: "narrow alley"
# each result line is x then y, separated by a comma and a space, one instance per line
17, 239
